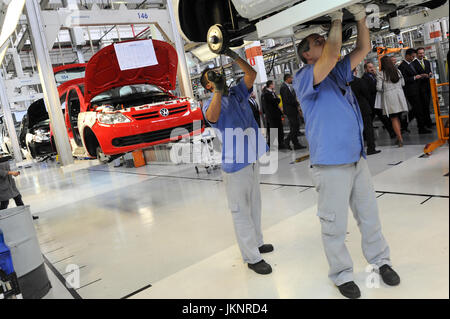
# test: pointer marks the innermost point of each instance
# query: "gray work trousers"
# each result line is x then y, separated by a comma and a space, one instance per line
341, 186
244, 201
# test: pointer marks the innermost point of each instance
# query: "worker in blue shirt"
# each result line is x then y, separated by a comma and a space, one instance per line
231, 116
334, 129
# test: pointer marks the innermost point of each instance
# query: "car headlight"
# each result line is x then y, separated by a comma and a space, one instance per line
112, 118
41, 136
194, 104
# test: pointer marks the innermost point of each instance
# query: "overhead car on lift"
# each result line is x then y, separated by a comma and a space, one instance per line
239, 20
114, 111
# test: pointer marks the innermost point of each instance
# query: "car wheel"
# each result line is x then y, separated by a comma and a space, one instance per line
102, 158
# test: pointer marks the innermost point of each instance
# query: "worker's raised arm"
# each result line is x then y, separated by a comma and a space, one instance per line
331, 50
249, 73
363, 40
215, 107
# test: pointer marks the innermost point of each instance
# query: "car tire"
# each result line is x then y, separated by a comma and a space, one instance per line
102, 158
32, 152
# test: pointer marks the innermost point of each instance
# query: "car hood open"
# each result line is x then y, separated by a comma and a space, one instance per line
103, 71
36, 113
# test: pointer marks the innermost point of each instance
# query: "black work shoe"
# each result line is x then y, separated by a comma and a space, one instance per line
266, 248
35, 217
350, 290
261, 268
389, 276
372, 152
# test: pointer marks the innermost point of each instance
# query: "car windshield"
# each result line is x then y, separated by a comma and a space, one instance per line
69, 74
130, 95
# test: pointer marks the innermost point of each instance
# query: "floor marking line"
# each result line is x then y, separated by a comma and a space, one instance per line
307, 189
426, 200
55, 262
136, 292
92, 282
72, 291
48, 252
381, 195
395, 164
46, 242
273, 184
413, 194
72, 271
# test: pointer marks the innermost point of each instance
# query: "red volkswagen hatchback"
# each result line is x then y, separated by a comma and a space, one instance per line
113, 111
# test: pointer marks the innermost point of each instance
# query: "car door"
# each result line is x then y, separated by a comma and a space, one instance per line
73, 105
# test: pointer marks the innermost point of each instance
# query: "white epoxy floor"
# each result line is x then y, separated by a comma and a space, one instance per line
166, 226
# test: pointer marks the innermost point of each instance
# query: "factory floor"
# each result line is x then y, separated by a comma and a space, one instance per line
164, 231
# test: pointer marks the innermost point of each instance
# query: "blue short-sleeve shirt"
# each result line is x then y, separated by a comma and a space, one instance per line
334, 126
242, 141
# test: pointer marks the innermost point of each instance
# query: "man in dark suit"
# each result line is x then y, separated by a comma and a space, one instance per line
423, 68
255, 108
411, 89
370, 77
291, 108
362, 94
273, 113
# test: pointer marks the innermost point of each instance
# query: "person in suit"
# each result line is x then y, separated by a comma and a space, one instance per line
411, 89
291, 109
270, 102
370, 77
423, 67
361, 91
255, 108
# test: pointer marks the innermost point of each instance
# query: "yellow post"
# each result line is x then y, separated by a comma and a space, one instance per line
441, 130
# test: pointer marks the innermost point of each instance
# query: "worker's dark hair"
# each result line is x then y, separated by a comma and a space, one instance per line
417, 50
390, 70
287, 76
410, 51
269, 83
203, 79
303, 47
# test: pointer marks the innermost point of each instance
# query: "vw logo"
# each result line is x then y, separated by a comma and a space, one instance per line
164, 112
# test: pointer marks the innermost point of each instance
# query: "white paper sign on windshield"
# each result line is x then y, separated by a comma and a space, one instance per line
135, 54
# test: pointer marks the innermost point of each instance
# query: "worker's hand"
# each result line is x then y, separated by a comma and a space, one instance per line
14, 173
219, 82
358, 11
336, 15
230, 53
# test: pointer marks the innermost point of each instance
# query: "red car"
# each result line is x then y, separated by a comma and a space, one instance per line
113, 111
68, 72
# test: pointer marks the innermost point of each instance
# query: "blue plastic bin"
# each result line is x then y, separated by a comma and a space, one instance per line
5, 257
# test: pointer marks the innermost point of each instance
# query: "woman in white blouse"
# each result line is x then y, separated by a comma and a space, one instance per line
391, 97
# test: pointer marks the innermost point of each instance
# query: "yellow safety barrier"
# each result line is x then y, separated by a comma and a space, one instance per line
442, 124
